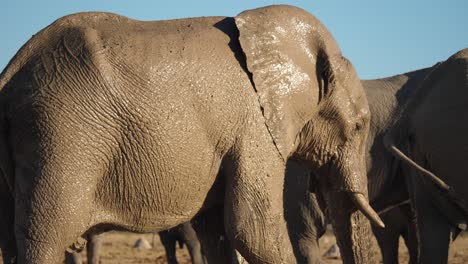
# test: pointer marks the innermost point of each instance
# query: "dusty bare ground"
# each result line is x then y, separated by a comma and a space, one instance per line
118, 248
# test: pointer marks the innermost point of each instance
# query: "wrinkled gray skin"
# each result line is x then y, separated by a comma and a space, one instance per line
112, 123
432, 133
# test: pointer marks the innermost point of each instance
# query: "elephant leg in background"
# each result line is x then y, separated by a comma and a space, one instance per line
7, 236
169, 241
184, 234
209, 226
409, 234
190, 238
433, 229
397, 222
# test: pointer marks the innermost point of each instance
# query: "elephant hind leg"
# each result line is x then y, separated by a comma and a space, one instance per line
50, 216
432, 227
433, 230
388, 238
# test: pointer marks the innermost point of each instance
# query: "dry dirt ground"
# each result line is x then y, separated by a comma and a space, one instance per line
118, 249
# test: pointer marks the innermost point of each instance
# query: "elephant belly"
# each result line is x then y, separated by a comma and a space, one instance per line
160, 187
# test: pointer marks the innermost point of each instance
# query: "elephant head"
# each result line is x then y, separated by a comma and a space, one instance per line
315, 108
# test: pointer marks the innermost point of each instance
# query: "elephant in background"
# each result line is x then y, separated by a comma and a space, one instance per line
430, 138
386, 176
182, 234
132, 120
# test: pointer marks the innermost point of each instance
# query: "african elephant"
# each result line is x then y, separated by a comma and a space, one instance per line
113, 123
386, 178
430, 138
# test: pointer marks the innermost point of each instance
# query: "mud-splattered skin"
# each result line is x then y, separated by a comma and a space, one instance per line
117, 123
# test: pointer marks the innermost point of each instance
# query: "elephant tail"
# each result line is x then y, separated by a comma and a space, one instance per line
6, 166
390, 146
16, 63
29, 50
449, 202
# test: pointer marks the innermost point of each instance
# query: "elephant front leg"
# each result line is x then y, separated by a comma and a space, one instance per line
254, 218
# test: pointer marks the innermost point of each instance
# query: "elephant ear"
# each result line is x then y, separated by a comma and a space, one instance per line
275, 42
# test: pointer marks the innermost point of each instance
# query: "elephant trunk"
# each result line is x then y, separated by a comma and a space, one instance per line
349, 209
350, 177
352, 230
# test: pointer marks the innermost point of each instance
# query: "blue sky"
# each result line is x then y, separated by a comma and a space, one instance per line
381, 38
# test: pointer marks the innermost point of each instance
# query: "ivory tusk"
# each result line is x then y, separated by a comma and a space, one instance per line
363, 205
